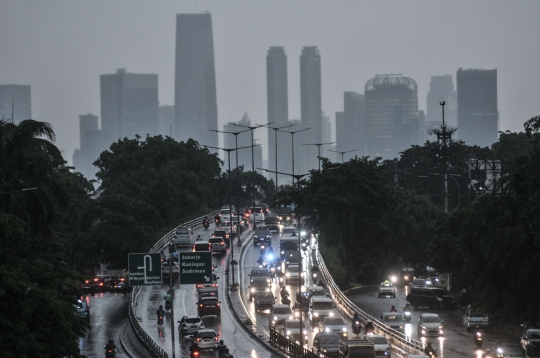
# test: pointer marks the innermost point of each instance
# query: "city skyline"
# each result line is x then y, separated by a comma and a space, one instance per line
50, 59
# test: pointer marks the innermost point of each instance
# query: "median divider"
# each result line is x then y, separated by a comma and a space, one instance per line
400, 341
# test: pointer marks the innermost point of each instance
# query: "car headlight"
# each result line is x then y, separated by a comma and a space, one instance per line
252, 290
315, 314
440, 327
440, 331
423, 327
327, 329
400, 327
305, 331
423, 331
288, 274
344, 329
267, 290
331, 314
275, 318
288, 332
439, 299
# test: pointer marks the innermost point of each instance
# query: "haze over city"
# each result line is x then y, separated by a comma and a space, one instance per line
60, 48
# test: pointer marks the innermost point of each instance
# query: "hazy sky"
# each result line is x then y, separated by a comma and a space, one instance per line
60, 47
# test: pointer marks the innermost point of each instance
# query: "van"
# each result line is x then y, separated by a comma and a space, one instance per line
320, 307
432, 297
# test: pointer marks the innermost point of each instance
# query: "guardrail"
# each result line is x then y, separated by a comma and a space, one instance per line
290, 346
153, 348
398, 339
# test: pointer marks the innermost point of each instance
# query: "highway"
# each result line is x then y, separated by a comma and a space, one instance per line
457, 342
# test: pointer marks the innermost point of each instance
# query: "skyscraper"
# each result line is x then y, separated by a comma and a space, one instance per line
244, 140
310, 105
278, 109
92, 143
478, 117
129, 104
16, 99
350, 125
195, 79
391, 115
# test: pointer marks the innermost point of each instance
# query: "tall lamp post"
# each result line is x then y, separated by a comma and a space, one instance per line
237, 180
251, 128
292, 133
276, 129
230, 207
342, 153
319, 149
298, 177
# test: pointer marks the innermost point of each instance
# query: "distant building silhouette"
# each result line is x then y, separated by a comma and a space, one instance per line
244, 140
441, 88
350, 126
16, 99
478, 117
391, 115
195, 80
310, 109
92, 144
129, 104
278, 112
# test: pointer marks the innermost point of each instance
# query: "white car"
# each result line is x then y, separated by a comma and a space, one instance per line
292, 273
334, 325
317, 291
387, 288
189, 325
382, 347
291, 329
279, 314
320, 307
430, 324
289, 231
206, 339
257, 214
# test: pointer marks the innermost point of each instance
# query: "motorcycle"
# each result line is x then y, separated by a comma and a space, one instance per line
281, 280
217, 221
432, 353
206, 224
286, 300
314, 276
160, 319
478, 339
195, 354
499, 351
109, 352
167, 305
356, 328
407, 316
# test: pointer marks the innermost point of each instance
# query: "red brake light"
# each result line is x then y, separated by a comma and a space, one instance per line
86, 281
218, 304
215, 338
201, 305
198, 339
222, 243
122, 279
101, 283
96, 279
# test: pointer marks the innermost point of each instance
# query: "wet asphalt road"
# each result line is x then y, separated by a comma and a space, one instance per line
457, 342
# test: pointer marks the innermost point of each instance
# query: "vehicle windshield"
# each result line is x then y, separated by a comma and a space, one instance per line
477, 314
293, 269
294, 324
289, 231
323, 306
263, 231
215, 240
266, 295
432, 320
256, 210
333, 339
271, 220
293, 255
282, 310
387, 284
207, 335
378, 340
317, 292
396, 318
533, 334
289, 246
211, 301
255, 272
225, 211
182, 230
420, 281
259, 283
193, 320
334, 321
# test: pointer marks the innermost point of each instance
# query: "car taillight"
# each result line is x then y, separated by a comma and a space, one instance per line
214, 285
86, 281
201, 305
215, 338
222, 243
198, 339
218, 303
96, 279
101, 283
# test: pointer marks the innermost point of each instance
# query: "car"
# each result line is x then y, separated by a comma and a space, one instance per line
262, 236
202, 245
258, 284
261, 272
287, 244
264, 300
291, 329
475, 319
418, 282
320, 307
430, 324
289, 231
214, 282
393, 320
228, 226
183, 236
218, 245
387, 288
87, 287
121, 287
291, 258
189, 325
530, 341
225, 214
334, 325
292, 274
83, 310
317, 291
382, 347
209, 306
265, 208
223, 234
327, 344
206, 339
279, 314
432, 297
272, 223
99, 284
256, 214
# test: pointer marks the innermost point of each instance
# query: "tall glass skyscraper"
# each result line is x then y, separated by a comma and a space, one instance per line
16, 99
195, 103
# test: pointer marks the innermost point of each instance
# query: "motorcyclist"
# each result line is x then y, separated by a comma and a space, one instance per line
320, 283
429, 348
110, 345
172, 248
194, 347
369, 327
221, 347
260, 261
167, 297
198, 238
175, 256
393, 309
356, 318
160, 311
408, 307
270, 254
217, 218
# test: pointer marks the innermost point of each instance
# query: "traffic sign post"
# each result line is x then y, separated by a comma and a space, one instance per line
144, 269
195, 267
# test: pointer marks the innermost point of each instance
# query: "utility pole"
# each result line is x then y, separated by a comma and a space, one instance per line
445, 137
292, 133
319, 150
276, 129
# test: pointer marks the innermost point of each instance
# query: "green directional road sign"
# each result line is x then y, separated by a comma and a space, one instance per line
144, 269
195, 267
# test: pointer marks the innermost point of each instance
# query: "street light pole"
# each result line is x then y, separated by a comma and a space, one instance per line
348, 151
292, 133
319, 150
445, 175
276, 129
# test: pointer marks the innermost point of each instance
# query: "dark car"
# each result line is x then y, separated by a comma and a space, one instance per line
87, 287
99, 284
530, 341
265, 208
432, 297
272, 223
291, 258
327, 344
83, 311
262, 236
223, 234
209, 306
202, 246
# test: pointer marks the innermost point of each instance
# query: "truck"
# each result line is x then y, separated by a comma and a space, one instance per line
358, 348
